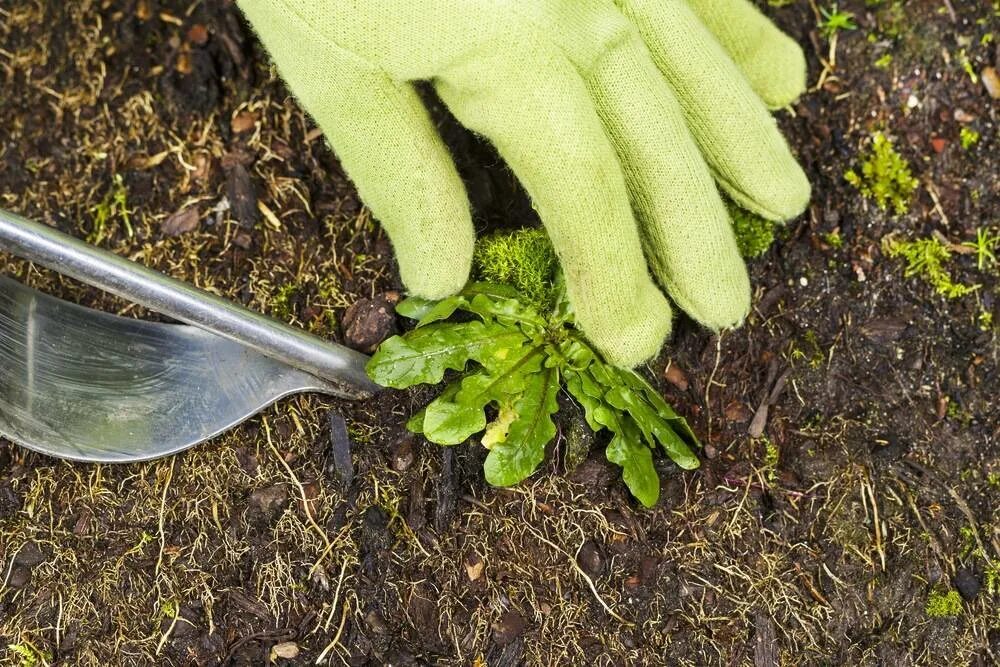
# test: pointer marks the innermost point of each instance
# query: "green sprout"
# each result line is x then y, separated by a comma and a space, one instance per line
884, 61
113, 205
834, 21
985, 245
884, 176
968, 137
925, 259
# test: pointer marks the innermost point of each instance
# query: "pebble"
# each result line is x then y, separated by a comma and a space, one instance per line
967, 583
590, 559
676, 376
368, 322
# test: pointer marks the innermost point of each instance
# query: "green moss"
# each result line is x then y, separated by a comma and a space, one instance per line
884, 176
944, 605
925, 258
524, 260
754, 234
283, 302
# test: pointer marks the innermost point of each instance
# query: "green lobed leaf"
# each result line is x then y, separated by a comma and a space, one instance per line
636, 461
456, 416
507, 311
442, 310
449, 423
589, 402
423, 355
653, 427
678, 423
414, 307
514, 459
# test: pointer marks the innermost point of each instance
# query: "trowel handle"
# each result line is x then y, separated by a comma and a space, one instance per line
109, 272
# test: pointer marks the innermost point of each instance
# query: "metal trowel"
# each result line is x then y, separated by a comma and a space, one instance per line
86, 385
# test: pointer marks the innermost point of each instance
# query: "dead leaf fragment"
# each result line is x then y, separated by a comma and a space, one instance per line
474, 566
181, 222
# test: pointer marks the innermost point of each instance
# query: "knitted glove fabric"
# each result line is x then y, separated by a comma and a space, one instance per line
621, 118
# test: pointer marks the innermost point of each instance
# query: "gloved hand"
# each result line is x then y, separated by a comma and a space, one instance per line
620, 118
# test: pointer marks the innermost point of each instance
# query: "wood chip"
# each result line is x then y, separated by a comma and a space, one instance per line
992, 81
181, 222
242, 196
340, 450
242, 122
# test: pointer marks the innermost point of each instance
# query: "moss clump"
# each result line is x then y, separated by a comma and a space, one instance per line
754, 234
944, 605
884, 176
523, 259
925, 258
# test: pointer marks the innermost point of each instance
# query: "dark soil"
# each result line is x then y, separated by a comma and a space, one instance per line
870, 493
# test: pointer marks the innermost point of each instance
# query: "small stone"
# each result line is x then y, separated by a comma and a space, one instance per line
30, 554
590, 559
403, 455
710, 451
20, 576
285, 650
376, 623
676, 376
198, 34
243, 240
967, 583
992, 81
368, 322
963, 116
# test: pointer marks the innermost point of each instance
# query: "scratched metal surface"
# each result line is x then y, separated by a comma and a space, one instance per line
85, 385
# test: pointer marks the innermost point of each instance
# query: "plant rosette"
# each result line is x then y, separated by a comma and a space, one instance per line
513, 359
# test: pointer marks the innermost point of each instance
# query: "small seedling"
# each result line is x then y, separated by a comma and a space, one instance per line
985, 245
514, 358
834, 21
113, 205
925, 258
968, 137
884, 61
884, 176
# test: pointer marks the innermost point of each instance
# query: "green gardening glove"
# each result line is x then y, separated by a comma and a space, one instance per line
621, 118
